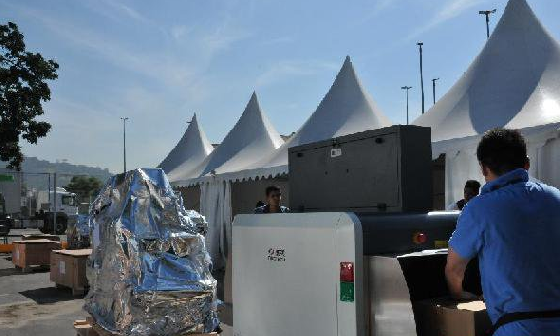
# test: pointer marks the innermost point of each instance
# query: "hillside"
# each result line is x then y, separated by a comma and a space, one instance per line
32, 165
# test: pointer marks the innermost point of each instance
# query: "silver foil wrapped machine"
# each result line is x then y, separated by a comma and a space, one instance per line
149, 272
77, 232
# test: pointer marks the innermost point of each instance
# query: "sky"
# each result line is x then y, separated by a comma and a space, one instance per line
158, 62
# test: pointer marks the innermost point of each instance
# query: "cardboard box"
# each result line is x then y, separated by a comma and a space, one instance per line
446, 317
68, 268
33, 252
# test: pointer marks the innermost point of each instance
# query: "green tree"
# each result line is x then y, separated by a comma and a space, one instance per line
84, 186
23, 88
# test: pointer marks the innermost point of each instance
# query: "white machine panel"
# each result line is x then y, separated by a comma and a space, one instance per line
286, 274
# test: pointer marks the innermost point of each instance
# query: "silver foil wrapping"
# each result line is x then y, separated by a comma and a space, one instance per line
149, 272
77, 232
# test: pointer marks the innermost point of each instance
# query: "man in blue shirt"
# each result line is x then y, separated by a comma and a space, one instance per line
513, 227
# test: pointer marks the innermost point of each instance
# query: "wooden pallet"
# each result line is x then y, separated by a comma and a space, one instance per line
88, 327
75, 291
29, 269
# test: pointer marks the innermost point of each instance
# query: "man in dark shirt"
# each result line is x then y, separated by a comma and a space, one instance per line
273, 199
471, 190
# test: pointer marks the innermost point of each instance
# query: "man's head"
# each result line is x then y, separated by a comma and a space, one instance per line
472, 189
501, 151
273, 196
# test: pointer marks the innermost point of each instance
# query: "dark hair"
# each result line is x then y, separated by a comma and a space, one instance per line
270, 189
472, 184
502, 150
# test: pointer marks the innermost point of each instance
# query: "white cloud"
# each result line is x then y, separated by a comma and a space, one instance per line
115, 10
179, 31
381, 5
223, 36
130, 12
286, 69
179, 72
449, 10
278, 40
378, 7
454, 8
178, 68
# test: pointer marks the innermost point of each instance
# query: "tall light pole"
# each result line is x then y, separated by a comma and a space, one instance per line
420, 44
124, 119
434, 88
406, 88
487, 14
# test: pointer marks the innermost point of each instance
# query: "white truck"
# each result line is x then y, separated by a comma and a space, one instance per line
56, 209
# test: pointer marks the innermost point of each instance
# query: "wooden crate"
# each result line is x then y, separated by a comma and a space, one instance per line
6, 248
40, 236
88, 327
68, 269
33, 253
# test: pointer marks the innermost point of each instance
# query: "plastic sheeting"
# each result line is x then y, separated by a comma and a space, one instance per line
149, 272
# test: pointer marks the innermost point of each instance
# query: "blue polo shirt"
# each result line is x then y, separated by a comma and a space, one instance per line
514, 228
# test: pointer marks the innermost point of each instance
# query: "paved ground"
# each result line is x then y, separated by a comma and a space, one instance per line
30, 304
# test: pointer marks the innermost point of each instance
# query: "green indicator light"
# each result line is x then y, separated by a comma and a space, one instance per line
346, 291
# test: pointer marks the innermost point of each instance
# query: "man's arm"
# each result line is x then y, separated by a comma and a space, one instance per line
455, 273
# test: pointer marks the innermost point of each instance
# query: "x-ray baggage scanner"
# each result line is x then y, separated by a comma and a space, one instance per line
345, 273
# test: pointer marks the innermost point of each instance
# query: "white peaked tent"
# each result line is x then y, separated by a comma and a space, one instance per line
189, 152
513, 83
252, 137
347, 108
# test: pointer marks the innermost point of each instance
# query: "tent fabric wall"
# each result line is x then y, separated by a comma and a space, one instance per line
549, 162
215, 205
461, 164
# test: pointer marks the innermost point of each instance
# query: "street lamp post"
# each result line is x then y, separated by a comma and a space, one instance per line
420, 44
434, 88
54, 207
406, 88
487, 13
124, 119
